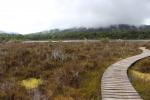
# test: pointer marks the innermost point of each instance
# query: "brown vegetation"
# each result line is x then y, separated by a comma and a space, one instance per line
69, 71
140, 77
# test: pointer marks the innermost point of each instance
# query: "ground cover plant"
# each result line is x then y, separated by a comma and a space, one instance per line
58, 71
140, 77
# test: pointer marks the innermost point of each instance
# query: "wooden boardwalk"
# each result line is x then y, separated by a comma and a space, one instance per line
115, 83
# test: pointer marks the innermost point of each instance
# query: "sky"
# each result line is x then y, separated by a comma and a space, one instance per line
29, 16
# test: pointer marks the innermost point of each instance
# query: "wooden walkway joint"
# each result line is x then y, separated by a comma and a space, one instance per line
115, 83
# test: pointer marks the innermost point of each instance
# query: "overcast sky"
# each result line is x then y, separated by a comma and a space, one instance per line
26, 16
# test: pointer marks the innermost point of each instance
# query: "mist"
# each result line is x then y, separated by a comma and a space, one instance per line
28, 16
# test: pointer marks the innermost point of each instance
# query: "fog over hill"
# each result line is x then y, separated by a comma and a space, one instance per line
121, 31
30, 16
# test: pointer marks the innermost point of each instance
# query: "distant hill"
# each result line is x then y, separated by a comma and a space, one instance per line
10, 36
121, 31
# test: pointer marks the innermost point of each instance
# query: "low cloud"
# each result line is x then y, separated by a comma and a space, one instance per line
95, 13
32, 15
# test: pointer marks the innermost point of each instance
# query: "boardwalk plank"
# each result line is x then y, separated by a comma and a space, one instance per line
115, 83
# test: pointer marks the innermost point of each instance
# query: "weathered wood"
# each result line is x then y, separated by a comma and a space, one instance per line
115, 83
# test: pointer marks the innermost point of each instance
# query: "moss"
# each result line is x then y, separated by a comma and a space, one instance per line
31, 83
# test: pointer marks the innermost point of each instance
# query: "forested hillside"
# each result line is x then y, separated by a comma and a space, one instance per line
113, 32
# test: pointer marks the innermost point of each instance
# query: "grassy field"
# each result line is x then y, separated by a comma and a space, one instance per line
58, 71
140, 77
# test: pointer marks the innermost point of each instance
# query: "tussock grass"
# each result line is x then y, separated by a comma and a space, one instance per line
69, 70
60, 97
139, 74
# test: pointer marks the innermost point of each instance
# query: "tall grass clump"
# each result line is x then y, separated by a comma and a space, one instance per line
139, 75
69, 71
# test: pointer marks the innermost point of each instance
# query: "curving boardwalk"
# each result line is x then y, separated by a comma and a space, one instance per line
115, 83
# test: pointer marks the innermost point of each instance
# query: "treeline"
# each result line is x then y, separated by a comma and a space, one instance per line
10, 36
113, 32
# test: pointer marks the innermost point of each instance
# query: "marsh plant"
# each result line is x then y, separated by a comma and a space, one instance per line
58, 71
58, 54
140, 77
